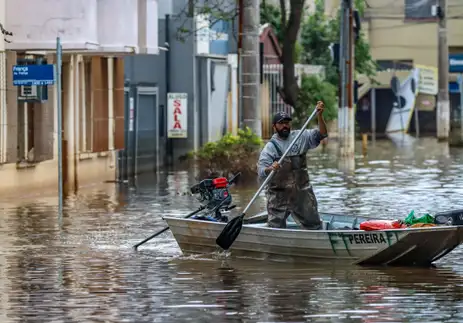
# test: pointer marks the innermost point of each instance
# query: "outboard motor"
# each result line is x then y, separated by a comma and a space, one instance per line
215, 196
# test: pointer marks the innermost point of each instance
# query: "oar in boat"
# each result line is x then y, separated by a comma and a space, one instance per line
167, 228
233, 228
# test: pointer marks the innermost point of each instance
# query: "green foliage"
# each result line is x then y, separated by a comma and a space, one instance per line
298, 51
229, 155
314, 89
319, 31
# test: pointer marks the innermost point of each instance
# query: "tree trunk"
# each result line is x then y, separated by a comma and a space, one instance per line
290, 91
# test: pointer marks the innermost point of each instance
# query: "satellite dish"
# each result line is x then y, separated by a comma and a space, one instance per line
395, 85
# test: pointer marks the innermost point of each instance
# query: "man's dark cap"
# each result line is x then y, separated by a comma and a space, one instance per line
280, 116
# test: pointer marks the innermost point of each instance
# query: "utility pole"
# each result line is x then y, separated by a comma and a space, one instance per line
240, 62
346, 115
249, 66
443, 102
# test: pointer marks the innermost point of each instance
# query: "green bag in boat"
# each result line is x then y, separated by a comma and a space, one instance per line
411, 219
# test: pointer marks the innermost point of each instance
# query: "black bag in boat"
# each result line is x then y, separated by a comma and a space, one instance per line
449, 217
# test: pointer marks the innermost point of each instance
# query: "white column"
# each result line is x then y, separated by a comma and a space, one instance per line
111, 103
111, 123
83, 107
77, 100
55, 115
69, 113
3, 109
25, 132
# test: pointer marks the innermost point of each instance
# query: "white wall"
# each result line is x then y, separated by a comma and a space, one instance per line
2, 20
113, 26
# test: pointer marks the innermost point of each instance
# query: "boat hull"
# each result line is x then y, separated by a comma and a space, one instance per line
403, 247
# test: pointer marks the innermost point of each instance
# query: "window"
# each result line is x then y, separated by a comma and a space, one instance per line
94, 102
419, 9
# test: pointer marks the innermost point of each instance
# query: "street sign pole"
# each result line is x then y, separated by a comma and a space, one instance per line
60, 126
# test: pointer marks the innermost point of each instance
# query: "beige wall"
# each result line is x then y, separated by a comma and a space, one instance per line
42, 179
391, 37
93, 108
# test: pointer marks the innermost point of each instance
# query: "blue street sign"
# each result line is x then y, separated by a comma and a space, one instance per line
453, 87
456, 63
33, 75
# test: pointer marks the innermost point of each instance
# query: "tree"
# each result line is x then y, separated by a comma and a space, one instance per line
5, 33
319, 31
270, 14
215, 10
317, 39
290, 26
317, 34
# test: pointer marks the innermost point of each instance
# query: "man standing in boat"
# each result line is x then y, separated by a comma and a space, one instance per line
290, 191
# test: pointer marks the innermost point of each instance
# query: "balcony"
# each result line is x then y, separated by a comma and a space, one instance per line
109, 26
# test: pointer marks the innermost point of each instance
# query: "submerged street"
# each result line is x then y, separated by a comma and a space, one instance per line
82, 268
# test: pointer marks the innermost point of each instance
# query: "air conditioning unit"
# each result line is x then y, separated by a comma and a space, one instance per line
30, 93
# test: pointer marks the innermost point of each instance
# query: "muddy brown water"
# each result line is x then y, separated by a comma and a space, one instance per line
81, 267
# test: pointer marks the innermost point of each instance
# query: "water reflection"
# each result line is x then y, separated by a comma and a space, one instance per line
82, 268
288, 293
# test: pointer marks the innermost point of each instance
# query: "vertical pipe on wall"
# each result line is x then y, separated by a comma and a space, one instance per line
197, 118
25, 132
169, 142
59, 125
240, 62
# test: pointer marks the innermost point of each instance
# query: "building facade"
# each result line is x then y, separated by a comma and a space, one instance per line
198, 62
193, 64
403, 35
92, 89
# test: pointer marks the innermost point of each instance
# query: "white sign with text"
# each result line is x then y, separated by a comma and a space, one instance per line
177, 106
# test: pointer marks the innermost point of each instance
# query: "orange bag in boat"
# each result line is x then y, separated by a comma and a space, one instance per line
421, 225
372, 225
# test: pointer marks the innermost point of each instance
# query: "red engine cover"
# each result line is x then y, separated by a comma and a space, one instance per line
220, 182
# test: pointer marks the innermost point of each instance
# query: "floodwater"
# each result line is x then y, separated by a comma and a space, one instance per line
81, 267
